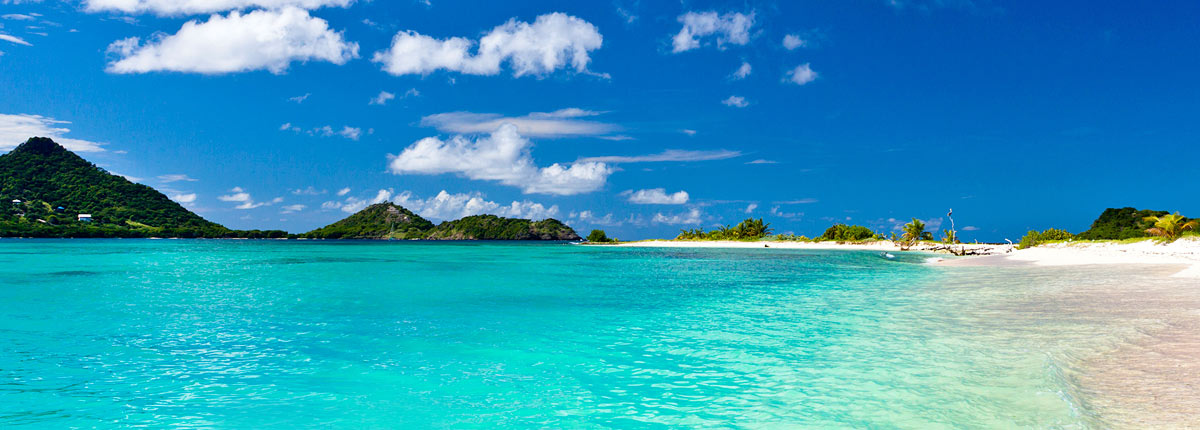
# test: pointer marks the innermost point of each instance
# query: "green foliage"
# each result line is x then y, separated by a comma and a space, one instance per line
949, 236
44, 175
598, 236
491, 227
1170, 227
848, 233
913, 232
1119, 224
789, 237
1035, 238
378, 221
750, 229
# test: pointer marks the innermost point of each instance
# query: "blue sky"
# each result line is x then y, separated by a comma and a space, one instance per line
637, 117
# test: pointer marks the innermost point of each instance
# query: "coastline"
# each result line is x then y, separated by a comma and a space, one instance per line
1183, 252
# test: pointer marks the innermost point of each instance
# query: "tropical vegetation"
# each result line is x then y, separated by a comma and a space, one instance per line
598, 236
749, 230
1170, 227
848, 233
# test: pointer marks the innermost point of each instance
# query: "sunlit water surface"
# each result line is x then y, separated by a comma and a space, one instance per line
269, 334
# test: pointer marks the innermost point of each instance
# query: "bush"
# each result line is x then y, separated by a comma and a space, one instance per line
848, 233
1035, 238
750, 229
598, 236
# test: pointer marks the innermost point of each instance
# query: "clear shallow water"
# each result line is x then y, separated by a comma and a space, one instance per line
252, 334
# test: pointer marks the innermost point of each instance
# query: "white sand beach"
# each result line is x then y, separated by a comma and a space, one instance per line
1184, 252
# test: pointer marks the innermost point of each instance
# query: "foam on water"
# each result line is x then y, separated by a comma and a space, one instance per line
253, 334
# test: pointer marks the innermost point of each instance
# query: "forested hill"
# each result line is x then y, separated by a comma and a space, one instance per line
390, 221
54, 186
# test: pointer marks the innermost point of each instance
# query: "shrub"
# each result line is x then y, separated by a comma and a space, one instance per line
1035, 238
848, 233
598, 236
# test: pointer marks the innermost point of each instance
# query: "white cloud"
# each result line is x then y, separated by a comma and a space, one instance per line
194, 7
805, 201
792, 41
310, 191
762, 161
656, 196
166, 179
299, 99
292, 208
781, 214
970, 228
352, 133
260, 40
343, 191
751, 207
688, 132
736, 101
668, 155
742, 71
551, 42
730, 28
801, 75
691, 217
16, 129
244, 200
382, 98
588, 217
14, 39
184, 198
18, 17
353, 204
560, 123
503, 156
447, 206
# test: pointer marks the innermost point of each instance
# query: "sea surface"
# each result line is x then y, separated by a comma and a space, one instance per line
342, 334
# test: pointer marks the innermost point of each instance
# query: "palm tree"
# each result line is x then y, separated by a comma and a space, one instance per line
1170, 227
913, 232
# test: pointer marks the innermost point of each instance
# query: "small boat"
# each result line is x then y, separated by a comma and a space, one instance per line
887, 255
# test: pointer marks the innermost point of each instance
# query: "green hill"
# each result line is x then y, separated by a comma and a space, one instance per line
390, 221
44, 176
378, 221
491, 227
1118, 224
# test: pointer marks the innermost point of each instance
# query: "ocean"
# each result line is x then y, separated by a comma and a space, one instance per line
346, 334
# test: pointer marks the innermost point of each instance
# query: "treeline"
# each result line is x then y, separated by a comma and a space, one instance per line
1121, 224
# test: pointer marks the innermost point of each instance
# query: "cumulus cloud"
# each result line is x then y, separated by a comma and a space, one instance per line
504, 156
184, 198
735, 101
343, 191
354, 204
193, 7
16, 129
589, 217
792, 41
751, 207
310, 191
445, 206
742, 71
560, 123
801, 75
691, 217
260, 40
668, 155
656, 196
730, 28
244, 199
352, 133
970, 228
553, 41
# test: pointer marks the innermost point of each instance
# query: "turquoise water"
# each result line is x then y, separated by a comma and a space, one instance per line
268, 334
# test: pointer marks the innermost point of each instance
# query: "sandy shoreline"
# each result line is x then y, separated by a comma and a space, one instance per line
1184, 252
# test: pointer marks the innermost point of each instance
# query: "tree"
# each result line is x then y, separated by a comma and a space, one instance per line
1170, 227
598, 236
913, 232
